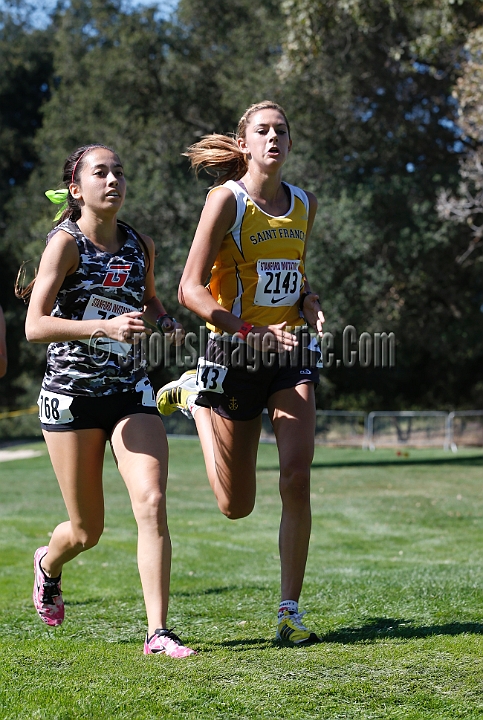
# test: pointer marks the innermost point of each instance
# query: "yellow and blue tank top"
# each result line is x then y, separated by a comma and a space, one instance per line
258, 272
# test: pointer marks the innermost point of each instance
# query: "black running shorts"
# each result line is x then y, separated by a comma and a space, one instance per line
61, 413
245, 379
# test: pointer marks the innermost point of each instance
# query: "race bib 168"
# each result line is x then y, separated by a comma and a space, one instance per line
54, 409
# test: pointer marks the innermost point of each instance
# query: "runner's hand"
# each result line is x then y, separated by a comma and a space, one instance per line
128, 327
271, 337
313, 313
176, 335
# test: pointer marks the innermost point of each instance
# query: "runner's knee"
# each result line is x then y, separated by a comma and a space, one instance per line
150, 506
236, 510
295, 484
88, 537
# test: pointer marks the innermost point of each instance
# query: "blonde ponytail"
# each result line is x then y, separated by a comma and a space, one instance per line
220, 156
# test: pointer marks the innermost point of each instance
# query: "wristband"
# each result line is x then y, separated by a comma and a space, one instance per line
159, 322
302, 299
244, 330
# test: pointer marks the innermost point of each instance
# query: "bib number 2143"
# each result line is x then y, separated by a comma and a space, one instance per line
278, 283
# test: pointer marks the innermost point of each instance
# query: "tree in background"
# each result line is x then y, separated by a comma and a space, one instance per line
25, 83
466, 207
368, 85
372, 84
149, 87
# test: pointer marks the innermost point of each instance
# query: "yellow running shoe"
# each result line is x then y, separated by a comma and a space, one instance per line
291, 629
173, 396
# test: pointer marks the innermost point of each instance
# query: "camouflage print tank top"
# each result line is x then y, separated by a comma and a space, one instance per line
103, 286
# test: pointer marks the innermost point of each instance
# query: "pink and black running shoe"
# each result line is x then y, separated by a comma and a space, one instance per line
165, 641
47, 594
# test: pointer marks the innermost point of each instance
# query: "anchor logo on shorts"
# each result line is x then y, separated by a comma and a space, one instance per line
233, 404
117, 275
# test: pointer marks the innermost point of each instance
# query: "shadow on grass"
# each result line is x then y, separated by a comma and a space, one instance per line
240, 645
374, 629
217, 590
377, 628
475, 461
177, 593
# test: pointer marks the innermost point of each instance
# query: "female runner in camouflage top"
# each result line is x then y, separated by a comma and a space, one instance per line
94, 288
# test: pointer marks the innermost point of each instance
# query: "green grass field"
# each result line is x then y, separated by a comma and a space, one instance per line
394, 586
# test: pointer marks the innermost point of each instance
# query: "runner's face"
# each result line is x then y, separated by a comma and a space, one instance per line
267, 140
102, 184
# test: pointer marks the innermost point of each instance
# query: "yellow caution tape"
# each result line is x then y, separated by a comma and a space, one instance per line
18, 413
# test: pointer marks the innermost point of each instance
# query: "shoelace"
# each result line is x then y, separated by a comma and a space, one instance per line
169, 634
50, 591
297, 619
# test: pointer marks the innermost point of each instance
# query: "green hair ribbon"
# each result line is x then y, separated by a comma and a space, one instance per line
58, 197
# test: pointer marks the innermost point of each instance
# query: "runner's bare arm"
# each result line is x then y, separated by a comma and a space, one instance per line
217, 217
311, 305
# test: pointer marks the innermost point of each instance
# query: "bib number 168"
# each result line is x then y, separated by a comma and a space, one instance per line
54, 408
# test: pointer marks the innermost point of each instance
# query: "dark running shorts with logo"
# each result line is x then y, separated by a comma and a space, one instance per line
239, 380
61, 413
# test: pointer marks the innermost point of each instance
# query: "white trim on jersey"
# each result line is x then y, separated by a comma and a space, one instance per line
241, 197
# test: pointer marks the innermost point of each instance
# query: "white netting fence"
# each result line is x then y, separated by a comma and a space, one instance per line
424, 428
464, 429
406, 428
380, 428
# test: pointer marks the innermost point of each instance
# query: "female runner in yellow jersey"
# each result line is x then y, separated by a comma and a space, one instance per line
251, 242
